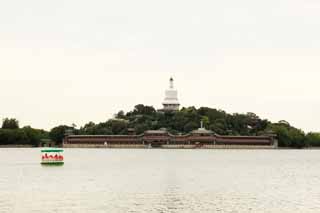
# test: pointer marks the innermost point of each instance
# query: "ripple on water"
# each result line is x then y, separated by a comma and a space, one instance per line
162, 181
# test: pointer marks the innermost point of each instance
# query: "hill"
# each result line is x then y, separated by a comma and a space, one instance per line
185, 120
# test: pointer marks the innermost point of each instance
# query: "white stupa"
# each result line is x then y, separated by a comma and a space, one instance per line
171, 102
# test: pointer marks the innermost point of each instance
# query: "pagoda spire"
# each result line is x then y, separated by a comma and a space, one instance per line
171, 83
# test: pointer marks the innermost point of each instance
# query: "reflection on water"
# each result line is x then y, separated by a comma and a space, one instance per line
155, 180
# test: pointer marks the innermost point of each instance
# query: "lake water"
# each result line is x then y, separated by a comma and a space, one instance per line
155, 180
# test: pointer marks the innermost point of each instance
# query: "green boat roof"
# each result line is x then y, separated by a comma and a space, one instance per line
52, 150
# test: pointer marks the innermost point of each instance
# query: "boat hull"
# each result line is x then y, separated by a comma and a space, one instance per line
52, 163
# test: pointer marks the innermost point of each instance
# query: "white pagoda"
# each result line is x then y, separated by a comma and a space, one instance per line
171, 102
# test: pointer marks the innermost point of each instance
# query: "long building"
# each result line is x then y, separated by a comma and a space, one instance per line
200, 138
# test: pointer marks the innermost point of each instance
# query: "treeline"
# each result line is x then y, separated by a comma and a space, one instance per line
143, 118
12, 134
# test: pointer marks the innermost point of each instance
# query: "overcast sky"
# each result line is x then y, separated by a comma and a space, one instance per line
74, 61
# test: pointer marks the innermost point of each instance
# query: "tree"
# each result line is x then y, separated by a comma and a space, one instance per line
219, 126
283, 122
33, 135
142, 109
313, 139
205, 121
10, 123
288, 136
120, 115
88, 129
57, 133
118, 126
140, 128
190, 126
143, 118
13, 136
297, 138
282, 133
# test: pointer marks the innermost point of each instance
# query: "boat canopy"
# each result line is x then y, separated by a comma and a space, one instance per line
52, 150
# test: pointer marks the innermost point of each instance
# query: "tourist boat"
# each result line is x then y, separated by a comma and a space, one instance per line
52, 157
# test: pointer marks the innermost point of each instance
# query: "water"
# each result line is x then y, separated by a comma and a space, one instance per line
155, 180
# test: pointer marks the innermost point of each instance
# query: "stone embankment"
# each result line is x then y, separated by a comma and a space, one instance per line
172, 146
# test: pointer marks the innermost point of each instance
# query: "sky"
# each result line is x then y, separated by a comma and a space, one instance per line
75, 61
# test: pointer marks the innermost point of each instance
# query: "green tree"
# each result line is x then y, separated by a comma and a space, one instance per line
33, 135
143, 118
10, 123
142, 109
57, 133
313, 139
88, 129
205, 121
118, 126
297, 138
140, 128
219, 126
288, 136
120, 115
190, 126
13, 136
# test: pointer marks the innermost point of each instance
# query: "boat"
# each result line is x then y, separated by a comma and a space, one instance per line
52, 157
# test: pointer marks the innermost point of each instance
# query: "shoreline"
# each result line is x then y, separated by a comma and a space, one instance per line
127, 147
17, 146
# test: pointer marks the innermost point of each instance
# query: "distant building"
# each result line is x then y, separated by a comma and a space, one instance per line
171, 102
200, 138
47, 143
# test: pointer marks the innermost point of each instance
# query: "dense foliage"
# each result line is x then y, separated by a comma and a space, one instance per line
10, 123
57, 133
11, 134
187, 119
143, 118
